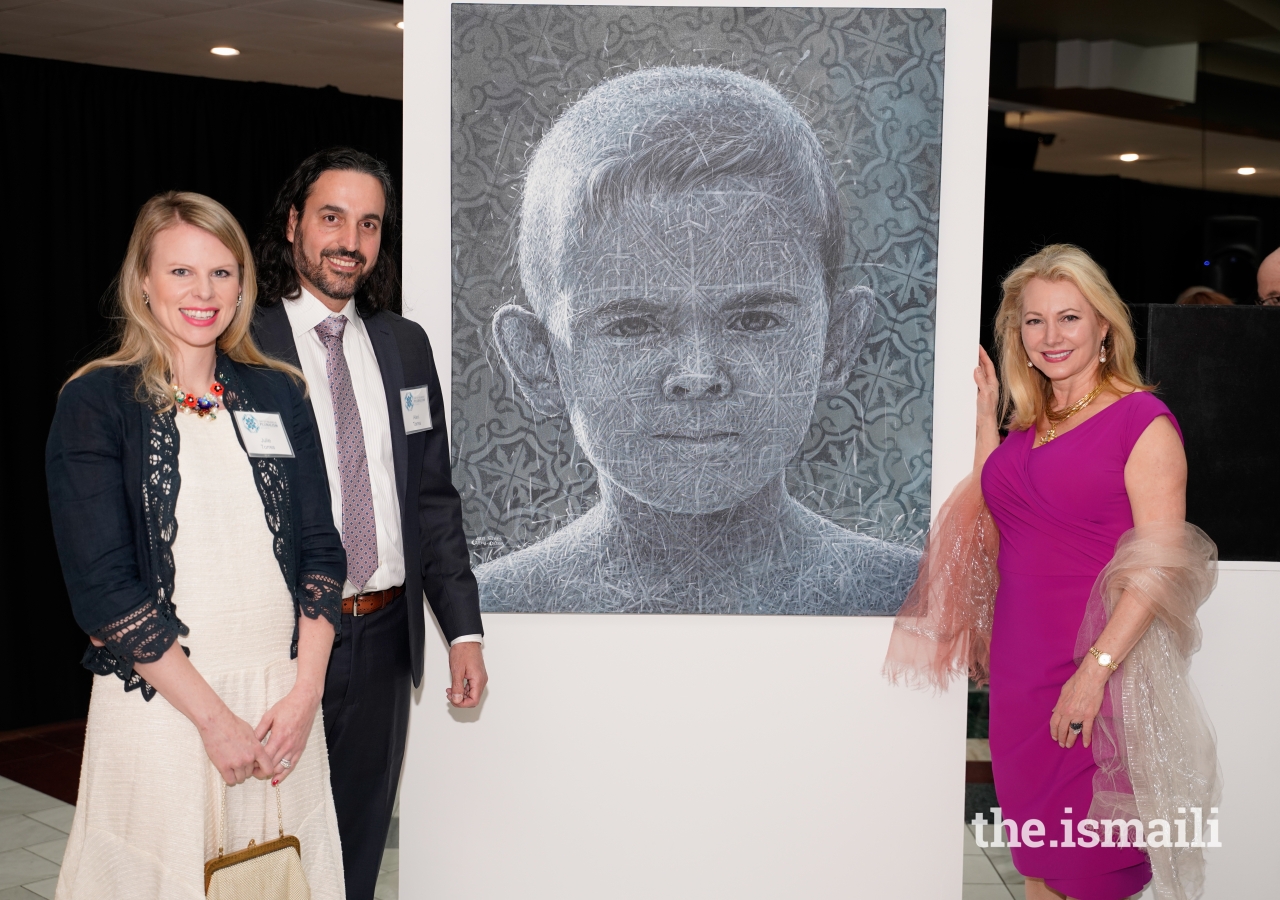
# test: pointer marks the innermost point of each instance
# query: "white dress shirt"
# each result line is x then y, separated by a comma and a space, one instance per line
305, 313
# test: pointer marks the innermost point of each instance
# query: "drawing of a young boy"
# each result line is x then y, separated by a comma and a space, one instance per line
680, 240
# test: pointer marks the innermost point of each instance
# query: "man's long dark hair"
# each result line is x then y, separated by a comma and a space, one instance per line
277, 272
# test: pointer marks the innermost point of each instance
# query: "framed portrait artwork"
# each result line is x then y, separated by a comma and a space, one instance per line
694, 283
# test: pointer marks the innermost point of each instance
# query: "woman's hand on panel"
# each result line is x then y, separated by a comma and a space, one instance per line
988, 388
233, 748
285, 729
1080, 700
988, 436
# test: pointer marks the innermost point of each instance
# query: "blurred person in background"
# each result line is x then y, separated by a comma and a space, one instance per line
1269, 280
1203, 296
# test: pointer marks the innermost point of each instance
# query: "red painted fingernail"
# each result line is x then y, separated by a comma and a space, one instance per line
275, 781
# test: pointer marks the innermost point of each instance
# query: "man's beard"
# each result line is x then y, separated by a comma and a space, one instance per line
337, 287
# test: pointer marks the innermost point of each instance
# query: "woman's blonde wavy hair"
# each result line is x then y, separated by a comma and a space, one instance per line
142, 342
1026, 391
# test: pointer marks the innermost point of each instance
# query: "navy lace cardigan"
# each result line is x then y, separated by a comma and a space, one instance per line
112, 468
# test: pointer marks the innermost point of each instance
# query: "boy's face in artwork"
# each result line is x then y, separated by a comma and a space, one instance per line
689, 343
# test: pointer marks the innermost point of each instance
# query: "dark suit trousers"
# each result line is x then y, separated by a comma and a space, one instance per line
366, 718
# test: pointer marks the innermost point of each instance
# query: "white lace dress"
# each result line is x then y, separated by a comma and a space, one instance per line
147, 814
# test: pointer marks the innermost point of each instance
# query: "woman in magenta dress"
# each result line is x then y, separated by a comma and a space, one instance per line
1090, 454
1079, 518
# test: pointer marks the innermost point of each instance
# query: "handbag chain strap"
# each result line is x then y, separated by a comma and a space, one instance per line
222, 833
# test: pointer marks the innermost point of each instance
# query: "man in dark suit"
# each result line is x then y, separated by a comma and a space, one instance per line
324, 306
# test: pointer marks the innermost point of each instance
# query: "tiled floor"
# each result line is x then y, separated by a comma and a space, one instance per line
34, 826
33, 834
45, 757
988, 872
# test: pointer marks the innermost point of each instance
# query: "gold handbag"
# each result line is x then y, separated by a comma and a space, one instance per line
271, 870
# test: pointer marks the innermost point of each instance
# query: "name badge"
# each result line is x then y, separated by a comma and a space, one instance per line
416, 409
263, 434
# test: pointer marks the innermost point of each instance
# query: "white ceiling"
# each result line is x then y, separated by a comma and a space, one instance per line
1087, 144
351, 44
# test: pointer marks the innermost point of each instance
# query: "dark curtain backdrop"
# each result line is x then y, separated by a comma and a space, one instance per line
82, 148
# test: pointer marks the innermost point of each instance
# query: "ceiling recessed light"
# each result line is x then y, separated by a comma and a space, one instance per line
1246, 170
400, 25
1128, 157
224, 51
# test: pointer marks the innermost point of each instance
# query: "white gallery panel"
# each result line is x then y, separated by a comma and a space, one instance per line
703, 283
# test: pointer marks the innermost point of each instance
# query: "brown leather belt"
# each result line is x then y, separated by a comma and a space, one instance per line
363, 604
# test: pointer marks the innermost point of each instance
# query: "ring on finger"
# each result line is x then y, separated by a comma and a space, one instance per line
284, 762
1076, 727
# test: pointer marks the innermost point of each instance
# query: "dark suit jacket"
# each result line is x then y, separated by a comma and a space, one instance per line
435, 547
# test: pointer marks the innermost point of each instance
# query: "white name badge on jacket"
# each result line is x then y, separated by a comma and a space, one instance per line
416, 409
263, 434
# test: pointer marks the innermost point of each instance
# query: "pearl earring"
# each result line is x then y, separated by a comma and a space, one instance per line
1102, 356
1030, 364
146, 298
239, 300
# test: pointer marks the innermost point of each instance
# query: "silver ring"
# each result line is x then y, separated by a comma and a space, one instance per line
1077, 727
285, 763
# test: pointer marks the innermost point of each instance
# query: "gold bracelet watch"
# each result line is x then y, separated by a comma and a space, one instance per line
1104, 659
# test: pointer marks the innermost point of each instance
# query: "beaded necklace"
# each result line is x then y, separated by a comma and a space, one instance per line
201, 406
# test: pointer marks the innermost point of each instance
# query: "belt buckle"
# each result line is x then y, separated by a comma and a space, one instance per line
355, 606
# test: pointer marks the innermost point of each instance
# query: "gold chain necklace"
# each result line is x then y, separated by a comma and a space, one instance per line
1057, 418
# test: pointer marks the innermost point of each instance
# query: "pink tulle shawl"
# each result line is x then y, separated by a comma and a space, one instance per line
944, 626
1152, 740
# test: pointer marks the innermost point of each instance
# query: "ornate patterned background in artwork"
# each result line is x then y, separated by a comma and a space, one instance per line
870, 83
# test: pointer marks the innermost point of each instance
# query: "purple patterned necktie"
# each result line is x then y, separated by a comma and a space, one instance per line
359, 530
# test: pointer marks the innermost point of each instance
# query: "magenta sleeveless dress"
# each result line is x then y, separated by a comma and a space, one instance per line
1060, 509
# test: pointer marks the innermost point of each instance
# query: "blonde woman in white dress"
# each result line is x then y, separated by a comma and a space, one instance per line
203, 563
